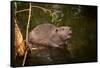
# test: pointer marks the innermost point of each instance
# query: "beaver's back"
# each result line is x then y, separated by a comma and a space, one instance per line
44, 30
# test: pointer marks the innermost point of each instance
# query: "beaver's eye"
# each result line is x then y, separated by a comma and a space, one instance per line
63, 29
56, 30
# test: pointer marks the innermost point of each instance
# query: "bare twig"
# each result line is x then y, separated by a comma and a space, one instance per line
28, 22
15, 5
24, 58
22, 10
44, 9
27, 33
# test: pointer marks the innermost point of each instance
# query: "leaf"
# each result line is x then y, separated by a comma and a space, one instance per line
19, 42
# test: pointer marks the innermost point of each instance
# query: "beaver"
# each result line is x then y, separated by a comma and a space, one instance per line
47, 34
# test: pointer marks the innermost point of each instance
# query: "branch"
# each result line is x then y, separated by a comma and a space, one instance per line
44, 9
28, 22
22, 10
27, 33
15, 5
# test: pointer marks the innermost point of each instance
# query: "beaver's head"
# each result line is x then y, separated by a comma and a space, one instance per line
64, 32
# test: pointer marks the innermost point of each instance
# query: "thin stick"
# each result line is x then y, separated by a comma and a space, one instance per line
22, 10
44, 9
27, 33
24, 58
15, 5
28, 22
